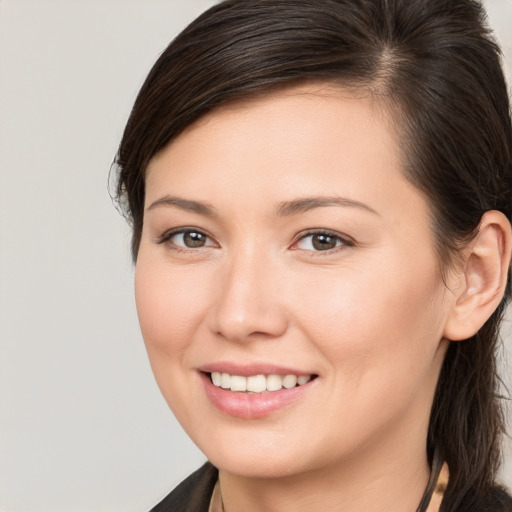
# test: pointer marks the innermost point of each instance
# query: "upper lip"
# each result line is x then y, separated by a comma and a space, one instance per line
246, 370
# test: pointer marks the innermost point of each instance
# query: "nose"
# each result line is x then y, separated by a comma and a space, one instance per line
248, 303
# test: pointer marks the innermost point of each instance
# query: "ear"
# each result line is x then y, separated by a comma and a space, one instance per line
482, 284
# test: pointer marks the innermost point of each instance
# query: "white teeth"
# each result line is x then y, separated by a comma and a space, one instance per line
274, 383
238, 383
225, 381
290, 381
257, 383
303, 379
216, 378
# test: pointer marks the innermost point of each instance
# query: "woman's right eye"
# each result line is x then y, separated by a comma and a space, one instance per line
187, 239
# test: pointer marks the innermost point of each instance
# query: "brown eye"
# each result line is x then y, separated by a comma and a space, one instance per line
321, 241
324, 242
193, 239
187, 239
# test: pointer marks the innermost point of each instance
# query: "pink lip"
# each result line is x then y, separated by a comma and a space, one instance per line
252, 405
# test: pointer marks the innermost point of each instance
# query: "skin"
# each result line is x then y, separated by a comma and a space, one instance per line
367, 316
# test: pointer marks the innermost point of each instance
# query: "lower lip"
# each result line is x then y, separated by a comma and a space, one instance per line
252, 405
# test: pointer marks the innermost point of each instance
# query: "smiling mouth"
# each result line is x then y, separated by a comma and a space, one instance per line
258, 383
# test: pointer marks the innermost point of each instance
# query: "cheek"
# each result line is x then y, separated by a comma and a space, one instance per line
170, 309
168, 305
380, 333
380, 317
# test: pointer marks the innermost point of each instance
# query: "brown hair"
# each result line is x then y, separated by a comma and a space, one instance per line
437, 68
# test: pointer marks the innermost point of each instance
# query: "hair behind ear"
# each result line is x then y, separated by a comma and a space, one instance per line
467, 419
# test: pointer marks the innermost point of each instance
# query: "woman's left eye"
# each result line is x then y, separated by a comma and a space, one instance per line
320, 241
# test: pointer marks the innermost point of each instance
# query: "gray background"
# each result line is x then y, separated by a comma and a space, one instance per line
82, 423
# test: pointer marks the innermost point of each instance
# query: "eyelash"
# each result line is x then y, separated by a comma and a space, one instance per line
341, 241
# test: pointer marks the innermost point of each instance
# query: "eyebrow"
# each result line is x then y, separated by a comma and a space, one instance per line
309, 203
284, 209
198, 207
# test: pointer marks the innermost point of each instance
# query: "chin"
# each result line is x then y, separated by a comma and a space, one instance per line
263, 455
268, 466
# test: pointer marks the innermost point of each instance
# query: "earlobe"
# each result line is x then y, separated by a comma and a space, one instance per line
486, 269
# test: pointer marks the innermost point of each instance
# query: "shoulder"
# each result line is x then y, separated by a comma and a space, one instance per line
497, 499
193, 494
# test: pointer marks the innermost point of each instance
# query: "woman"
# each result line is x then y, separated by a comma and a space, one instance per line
320, 195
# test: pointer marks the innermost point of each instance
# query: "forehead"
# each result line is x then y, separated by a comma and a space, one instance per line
306, 133
312, 93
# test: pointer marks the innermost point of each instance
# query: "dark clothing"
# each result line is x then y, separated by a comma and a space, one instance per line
496, 500
193, 494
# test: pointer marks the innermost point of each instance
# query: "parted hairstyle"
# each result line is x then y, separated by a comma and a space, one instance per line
436, 68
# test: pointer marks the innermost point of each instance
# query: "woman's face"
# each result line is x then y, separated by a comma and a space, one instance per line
280, 239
